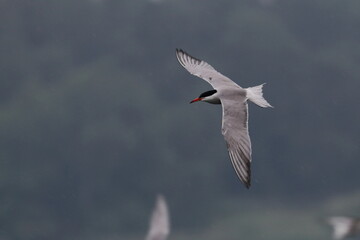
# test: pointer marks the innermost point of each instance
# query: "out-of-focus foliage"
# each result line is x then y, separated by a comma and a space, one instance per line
94, 114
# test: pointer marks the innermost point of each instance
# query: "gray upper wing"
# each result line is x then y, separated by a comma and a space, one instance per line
203, 70
235, 131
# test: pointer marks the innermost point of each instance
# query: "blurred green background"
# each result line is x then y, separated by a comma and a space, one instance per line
95, 120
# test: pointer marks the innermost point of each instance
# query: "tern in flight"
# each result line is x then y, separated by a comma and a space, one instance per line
233, 99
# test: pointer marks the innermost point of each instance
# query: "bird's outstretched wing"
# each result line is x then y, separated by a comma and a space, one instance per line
204, 70
235, 131
159, 223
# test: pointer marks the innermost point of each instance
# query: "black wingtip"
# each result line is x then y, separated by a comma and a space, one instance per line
187, 55
247, 181
179, 50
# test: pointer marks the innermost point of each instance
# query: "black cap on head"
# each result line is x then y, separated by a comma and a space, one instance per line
207, 93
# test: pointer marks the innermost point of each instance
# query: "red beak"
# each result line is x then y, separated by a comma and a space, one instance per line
196, 100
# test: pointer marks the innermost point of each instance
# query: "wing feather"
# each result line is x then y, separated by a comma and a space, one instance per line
203, 70
236, 135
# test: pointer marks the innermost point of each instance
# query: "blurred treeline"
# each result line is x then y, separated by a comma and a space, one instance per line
95, 119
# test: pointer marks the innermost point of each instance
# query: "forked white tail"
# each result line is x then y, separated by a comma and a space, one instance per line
255, 95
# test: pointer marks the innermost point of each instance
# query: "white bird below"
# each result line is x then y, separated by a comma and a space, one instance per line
159, 228
344, 227
233, 99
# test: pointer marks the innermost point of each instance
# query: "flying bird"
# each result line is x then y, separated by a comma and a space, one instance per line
233, 99
344, 227
159, 228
